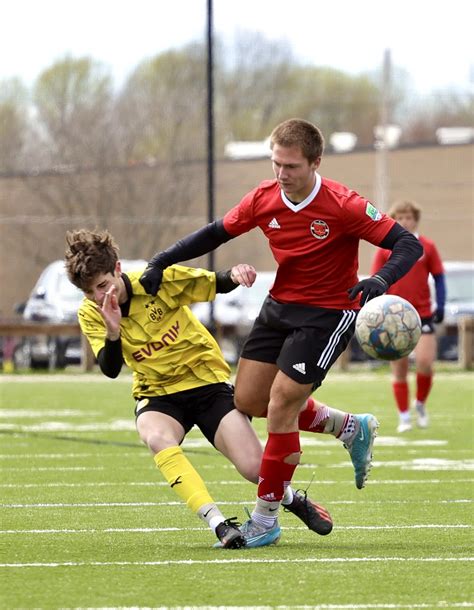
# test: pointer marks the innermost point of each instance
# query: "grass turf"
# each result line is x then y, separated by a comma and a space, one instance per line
88, 522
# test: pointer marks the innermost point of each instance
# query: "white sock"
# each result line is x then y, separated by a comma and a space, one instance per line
211, 515
288, 497
349, 429
265, 513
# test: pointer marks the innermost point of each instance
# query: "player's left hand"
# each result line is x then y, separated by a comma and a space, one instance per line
371, 287
243, 274
438, 316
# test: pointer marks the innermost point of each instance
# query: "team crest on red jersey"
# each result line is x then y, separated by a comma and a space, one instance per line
319, 229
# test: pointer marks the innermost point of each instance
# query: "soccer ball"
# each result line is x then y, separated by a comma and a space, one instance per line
388, 327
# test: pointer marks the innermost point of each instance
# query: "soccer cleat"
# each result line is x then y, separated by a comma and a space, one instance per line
230, 537
360, 447
313, 515
421, 415
257, 535
404, 426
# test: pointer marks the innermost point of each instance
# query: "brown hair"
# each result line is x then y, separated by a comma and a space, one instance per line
88, 254
403, 206
301, 133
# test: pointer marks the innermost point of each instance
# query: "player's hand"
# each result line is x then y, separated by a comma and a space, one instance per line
371, 287
110, 311
151, 278
438, 316
243, 274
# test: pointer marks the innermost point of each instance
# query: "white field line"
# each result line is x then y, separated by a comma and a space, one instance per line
154, 530
222, 503
381, 606
296, 483
191, 562
377, 606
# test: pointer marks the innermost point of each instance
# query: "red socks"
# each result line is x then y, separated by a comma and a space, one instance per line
423, 386
275, 473
400, 391
313, 418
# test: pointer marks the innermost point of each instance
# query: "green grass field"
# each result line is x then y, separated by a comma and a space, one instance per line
87, 521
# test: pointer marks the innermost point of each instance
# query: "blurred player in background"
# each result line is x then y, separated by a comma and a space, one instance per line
313, 226
414, 287
180, 377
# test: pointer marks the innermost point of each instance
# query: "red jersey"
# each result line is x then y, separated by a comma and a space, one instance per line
315, 242
414, 285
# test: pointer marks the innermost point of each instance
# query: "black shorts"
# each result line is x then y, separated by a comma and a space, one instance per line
204, 407
427, 326
302, 341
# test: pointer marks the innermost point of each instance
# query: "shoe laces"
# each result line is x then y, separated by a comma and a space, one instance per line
303, 492
231, 522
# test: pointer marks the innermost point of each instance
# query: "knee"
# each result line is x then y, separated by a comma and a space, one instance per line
156, 441
249, 406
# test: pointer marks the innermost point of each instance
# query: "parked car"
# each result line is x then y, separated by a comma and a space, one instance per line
459, 302
54, 299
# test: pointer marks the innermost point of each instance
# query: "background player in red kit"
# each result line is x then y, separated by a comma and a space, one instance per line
414, 287
313, 226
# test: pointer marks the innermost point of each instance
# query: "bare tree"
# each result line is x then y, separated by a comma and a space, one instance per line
13, 124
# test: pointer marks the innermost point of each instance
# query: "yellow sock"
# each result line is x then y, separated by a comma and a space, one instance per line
183, 478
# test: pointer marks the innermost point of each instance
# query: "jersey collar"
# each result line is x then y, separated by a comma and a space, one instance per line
125, 307
296, 207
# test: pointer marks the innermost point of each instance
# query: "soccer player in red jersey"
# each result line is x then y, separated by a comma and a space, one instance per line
414, 287
313, 226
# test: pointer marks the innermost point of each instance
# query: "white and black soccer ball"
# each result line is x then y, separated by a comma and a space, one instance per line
388, 327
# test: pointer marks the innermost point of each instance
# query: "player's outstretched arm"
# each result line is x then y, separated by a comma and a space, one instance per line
195, 244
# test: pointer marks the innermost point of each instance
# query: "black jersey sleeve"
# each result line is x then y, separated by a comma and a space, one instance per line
110, 358
195, 244
224, 282
406, 250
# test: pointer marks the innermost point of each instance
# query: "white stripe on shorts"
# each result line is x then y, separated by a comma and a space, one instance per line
347, 318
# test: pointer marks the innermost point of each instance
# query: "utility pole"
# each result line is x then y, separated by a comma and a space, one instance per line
382, 179
210, 144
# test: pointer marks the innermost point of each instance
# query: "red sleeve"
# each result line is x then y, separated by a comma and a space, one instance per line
365, 221
435, 262
379, 260
240, 218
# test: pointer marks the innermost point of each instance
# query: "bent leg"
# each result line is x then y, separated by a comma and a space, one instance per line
237, 440
163, 435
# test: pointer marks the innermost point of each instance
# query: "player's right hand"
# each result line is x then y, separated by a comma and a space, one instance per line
151, 278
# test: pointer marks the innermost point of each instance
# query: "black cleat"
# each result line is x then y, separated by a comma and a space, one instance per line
313, 515
229, 534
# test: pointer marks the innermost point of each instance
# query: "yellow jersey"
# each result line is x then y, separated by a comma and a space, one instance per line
163, 342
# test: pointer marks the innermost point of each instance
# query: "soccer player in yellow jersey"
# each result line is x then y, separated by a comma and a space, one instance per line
180, 377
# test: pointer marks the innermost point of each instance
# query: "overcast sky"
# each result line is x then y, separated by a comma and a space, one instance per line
431, 40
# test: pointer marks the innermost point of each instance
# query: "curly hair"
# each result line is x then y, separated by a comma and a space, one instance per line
88, 254
403, 207
300, 133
